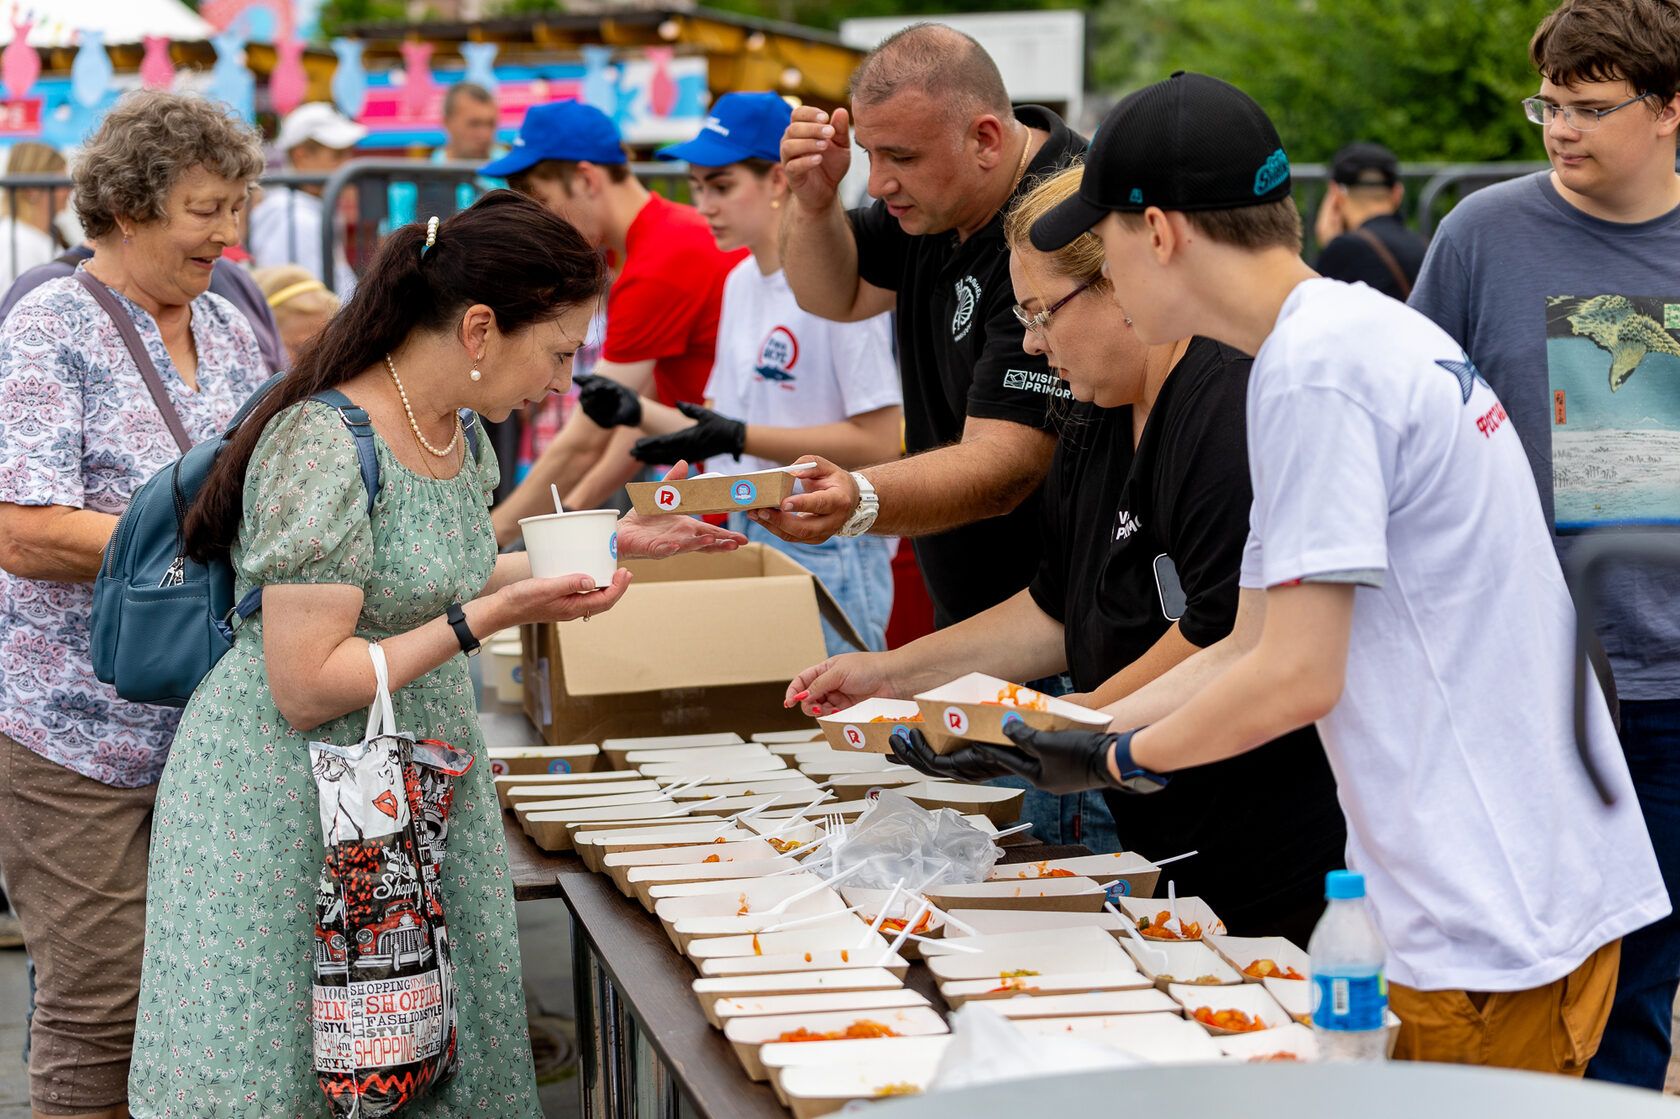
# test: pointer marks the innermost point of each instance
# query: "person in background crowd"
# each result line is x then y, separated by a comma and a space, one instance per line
316, 139
1399, 589
1363, 238
947, 153
301, 305
27, 234
485, 315
662, 309
1154, 445
1562, 287
469, 125
784, 382
159, 188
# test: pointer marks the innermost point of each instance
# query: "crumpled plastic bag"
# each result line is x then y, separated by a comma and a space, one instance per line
987, 1048
899, 839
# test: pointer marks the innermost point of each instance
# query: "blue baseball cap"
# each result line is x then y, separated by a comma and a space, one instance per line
741, 126
568, 130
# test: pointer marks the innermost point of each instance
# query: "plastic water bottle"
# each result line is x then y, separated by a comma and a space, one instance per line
1350, 992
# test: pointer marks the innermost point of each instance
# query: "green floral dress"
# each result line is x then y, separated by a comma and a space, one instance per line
226, 993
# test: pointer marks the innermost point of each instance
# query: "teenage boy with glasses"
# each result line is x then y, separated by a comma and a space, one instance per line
1563, 288
1398, 589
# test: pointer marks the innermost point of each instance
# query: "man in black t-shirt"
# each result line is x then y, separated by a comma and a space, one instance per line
1359, 224
947, 155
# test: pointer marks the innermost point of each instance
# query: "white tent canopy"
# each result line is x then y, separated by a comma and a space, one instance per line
122, 21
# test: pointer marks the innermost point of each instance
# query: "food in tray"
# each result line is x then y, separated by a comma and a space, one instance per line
1280, 1055
783, 846
745, 908
916, 718
1161, 928
1199, 981
896, 924
1043, 869
857, 1031
1233, 1020
1020, 698
758, 949
902, 1088
711, 859
1014, 983
1269, 969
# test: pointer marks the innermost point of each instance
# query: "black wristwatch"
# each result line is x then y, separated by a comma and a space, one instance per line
463, 632
1133, 777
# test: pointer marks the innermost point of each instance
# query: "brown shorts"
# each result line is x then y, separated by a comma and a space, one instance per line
1555, 1028
74, 853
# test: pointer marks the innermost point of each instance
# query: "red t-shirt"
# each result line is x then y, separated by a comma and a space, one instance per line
665, 303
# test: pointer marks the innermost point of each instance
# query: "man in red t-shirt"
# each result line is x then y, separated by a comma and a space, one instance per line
662, 310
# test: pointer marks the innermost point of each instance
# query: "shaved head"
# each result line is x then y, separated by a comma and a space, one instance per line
941, 62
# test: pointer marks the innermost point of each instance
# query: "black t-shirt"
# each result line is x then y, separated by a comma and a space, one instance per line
1351, 257
960, 355
1135, 540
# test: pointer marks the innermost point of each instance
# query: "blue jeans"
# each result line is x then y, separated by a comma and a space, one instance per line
1636, 1045
1074, 818
857, 570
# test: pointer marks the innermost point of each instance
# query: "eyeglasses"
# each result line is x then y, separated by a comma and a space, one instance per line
1039, 322
1581, 120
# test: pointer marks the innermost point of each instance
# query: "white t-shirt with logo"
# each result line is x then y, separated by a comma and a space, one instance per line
780, 366
1377, 450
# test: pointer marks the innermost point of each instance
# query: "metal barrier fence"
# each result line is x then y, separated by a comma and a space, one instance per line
369, 197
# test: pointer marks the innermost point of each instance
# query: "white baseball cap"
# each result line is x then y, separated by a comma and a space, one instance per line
320, 122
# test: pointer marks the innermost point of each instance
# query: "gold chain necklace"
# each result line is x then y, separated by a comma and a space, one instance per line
414, 424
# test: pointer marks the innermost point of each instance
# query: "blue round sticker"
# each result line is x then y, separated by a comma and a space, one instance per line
743, 492
1118, 889
559, 765
901, 729
1011, 719
612, 545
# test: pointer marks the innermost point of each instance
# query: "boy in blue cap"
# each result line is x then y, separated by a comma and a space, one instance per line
662, 310
785, 382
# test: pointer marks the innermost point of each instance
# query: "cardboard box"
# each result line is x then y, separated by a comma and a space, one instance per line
700, 643
518, 760
868, 725
968, 708
716, 493
504, 677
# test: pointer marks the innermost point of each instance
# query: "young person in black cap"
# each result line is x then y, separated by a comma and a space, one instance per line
1359, 225
1144, 516
1399, 589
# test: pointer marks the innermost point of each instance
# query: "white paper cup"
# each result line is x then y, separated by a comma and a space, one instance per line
580, 543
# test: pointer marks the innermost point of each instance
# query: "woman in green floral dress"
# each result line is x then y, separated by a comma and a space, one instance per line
482, 313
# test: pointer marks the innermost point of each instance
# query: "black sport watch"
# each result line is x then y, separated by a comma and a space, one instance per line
463, 632
1133, 777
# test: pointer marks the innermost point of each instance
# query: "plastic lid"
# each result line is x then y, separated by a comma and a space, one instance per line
1344, 885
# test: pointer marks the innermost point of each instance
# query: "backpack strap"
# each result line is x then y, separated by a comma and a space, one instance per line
469, 424
362, 428
1388, 261
367, 458
137, 351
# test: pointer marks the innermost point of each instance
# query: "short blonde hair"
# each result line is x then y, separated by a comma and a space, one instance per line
1080, 260
145, 144
293, 290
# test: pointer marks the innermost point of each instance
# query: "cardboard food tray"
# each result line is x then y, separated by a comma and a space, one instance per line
967, 709
748, 1035
715, 493
1250, 998
726, 1010
506, 760
733, 628
1081, 895
1241, 951
1138, 877
868, 725
1191, 910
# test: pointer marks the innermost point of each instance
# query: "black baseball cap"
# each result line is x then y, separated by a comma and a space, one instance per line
1188, 143
1365, 164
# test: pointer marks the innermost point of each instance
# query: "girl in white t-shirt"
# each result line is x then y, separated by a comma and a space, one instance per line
785, 383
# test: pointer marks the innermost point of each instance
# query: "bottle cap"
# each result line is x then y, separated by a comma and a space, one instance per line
1344, 885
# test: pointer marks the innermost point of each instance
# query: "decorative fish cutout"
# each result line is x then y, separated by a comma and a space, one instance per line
19, 64
288, 85
662, 91
231, 81
349, 82
597, 85
91, 73
418, 86
481, 59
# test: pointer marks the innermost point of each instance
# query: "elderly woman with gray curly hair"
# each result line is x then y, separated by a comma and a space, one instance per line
160, 188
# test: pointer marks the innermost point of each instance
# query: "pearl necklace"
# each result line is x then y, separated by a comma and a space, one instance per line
415, 425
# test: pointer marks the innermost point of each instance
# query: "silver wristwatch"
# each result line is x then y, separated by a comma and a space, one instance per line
868, 508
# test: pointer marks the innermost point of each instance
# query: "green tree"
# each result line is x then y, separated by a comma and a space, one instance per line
1432, 79
339, 15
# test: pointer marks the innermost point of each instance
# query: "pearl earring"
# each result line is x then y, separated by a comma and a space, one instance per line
475, 374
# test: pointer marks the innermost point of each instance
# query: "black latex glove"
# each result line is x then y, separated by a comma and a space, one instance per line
608, 403
710, 436
962, 764
1057, 761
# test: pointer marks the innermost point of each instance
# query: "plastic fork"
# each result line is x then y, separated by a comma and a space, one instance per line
781, 906
1150, 952
881, 917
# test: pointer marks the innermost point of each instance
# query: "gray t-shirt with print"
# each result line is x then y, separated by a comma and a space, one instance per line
1575, 323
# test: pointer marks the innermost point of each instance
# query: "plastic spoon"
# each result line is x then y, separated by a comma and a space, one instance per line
1150, 952
881, 917
892, 949
1174, 859
554, 491
781, 906
1172, 908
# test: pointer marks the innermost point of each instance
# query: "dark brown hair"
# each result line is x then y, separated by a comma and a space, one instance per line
469, 91
504, 251
1270, 225
1637, 41
563, 171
